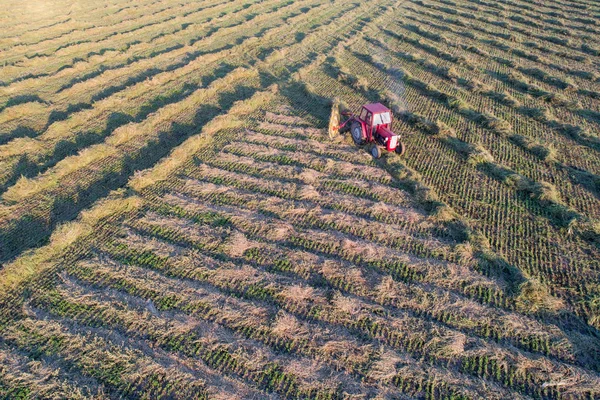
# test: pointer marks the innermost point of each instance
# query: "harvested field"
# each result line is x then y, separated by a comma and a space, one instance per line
177, 222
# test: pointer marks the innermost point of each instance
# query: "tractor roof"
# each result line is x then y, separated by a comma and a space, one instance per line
376, 108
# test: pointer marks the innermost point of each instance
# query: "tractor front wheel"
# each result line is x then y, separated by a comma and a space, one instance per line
357, 133
400, 148
375, 151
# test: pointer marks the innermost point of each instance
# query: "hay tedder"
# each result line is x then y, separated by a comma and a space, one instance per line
373, 125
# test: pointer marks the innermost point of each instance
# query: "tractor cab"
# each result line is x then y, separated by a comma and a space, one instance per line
374, 115
377, 122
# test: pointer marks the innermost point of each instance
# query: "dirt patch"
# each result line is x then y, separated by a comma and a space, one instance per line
237, 244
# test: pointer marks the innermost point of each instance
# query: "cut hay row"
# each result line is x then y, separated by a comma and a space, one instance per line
136, 65
513, 254
128, 142
531, 165
551, 15
111, 162
264, 252
582, 73
432, 91
553, 174
547, 80
251, 287
46, 20
407, 379
120, 371
255, 256
160, 48
22, 378
68, 33
515, 25
90, 126
72, 43
578, 71
87, 116
573, 155
200, 345
418, 240
287, 337
66, 56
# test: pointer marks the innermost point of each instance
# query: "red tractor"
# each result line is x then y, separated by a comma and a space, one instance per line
372, 125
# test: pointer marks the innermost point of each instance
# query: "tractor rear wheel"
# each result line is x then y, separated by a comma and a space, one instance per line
357, 133
400, 148
375, 151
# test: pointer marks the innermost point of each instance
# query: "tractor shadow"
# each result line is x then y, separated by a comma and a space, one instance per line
301, 98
